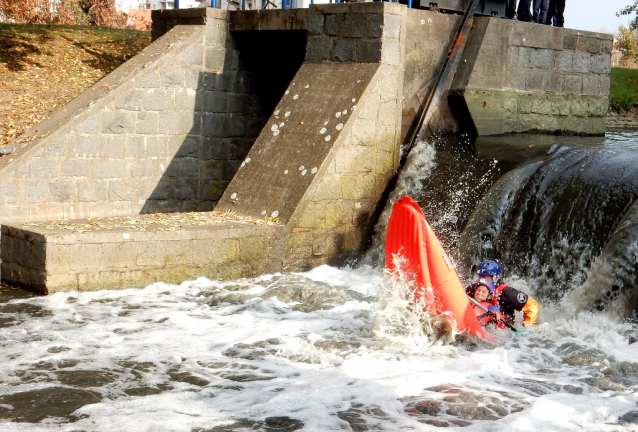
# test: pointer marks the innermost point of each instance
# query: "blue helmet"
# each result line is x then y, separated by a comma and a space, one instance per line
489, 268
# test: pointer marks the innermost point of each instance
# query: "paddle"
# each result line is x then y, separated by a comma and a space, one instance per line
509, 326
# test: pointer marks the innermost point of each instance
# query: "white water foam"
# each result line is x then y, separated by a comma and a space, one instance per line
232, 353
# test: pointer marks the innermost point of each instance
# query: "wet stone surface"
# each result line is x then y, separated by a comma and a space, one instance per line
270, 424
451, 406
37, 405
361, 418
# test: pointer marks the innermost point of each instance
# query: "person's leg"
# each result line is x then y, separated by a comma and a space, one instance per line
560, 13
542, 13
510, 8
550, 12
536, 10
524, 10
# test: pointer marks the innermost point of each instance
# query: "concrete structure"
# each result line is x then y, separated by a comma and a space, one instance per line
294, 117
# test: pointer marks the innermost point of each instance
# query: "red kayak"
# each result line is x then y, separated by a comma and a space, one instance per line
409, 235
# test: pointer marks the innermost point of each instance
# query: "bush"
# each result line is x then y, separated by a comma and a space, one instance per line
627, 43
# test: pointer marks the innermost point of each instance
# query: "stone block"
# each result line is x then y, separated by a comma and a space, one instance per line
570, 42
318, 48
579, 107
212, 189
541, 105
131, 100
215, 58
534, 79
118, 122
109, 169
513, 57
87, 147
185, 189
159, 100
354, 25
36, 191
60, 191
582, 62
57, 147
147, 123
44, 168
152, 80
189, 167
391, 26
374, 26
564, 61
525, 57
119, 255
253, 248
90, 125
215, 251
192, 123
171, 123
9, 191
91, 191
525, 103
343, 50
334, 24
217, 149
157, 147
186, 100
553, 82
515, 79
315, 24
212, 125
606, 46
172, 77
194, 79
115, 147
391, 52
75, 168
601, 64
135, 147
581, 43
594, 45
242, 103
186, 147
573, 84
193, 55
123, 190
215, 102
212, 169
543, 58
369, 52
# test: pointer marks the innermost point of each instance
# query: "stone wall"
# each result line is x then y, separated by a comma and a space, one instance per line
523, 77
165, 132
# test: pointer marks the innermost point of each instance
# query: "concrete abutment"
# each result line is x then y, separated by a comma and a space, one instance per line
287, 123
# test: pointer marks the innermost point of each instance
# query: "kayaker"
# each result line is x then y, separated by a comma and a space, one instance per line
483, 294
508, 299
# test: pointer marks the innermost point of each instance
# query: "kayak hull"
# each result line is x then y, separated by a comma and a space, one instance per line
410, 236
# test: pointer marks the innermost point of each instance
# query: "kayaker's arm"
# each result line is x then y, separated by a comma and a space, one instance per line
530, 312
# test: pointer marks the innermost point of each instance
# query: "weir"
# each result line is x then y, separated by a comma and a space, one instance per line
288, 124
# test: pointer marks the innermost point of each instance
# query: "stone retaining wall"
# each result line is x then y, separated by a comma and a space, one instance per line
165, 132
616, 120
523, 77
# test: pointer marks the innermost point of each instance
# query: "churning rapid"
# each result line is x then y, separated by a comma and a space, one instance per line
341, 349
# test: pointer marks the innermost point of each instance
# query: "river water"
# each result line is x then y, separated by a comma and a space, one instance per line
340, 348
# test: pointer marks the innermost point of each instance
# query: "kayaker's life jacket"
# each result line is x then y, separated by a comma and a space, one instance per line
491, 317
509, 299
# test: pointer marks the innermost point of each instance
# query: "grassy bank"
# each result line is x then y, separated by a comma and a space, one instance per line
43, 67
624, 89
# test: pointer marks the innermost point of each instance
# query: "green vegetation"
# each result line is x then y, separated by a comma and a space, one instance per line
624, 89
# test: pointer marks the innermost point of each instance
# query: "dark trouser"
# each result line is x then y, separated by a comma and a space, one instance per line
540, 11
510, 8
555, 13
524, 10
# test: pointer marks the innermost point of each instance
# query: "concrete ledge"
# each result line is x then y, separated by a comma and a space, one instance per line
104, 253
271, 19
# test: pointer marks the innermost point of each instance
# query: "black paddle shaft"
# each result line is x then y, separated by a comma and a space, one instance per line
428, 108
